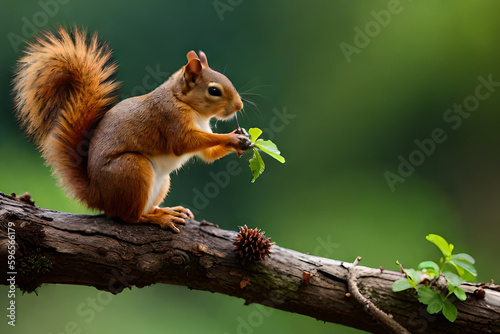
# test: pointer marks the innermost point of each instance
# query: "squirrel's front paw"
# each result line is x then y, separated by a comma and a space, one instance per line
240, 142
241, 131
245, 143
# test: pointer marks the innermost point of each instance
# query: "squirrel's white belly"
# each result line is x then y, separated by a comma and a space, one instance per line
163, 165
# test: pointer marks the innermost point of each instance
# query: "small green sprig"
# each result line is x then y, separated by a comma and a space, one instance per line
257, 165
455, 268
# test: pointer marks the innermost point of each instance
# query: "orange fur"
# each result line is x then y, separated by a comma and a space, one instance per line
62, 88
119, 160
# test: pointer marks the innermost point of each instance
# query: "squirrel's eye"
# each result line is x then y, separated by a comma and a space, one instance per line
214, 91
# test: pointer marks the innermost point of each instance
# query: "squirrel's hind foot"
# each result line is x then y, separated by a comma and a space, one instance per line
168, 217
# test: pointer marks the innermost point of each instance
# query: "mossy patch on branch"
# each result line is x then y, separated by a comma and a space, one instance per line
31, 269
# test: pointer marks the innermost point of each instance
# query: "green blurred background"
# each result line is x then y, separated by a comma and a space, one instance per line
348, 120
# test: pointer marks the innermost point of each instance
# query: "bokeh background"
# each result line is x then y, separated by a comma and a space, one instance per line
343, 87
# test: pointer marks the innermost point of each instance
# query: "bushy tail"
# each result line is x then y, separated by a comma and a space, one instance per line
62, 87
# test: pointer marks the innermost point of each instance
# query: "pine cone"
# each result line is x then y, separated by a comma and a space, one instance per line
252, 245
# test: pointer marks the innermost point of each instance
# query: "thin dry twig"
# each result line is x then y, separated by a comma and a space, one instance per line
380, 316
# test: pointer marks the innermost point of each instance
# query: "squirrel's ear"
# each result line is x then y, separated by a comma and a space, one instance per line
192, 70
191, 55
203, 59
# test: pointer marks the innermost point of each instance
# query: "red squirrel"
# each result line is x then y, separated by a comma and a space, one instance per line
118, 159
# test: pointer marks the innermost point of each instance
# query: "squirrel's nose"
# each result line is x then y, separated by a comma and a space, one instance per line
238, 105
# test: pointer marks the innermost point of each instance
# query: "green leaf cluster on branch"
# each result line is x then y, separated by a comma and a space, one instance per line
455, 268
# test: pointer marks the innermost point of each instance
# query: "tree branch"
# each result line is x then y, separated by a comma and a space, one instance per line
63, 248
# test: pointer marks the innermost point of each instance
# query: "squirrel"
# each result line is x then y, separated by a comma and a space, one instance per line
117, 159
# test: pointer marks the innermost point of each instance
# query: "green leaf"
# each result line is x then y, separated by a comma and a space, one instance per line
426, 295
453, 278
465, 266
463, 257
429, 265
460, 293
401, 284
431, 298
414, 276
451, 289
435, 306
254, 134
452, 267
468, 277
257, 165
441, 243
270, 148
450, 311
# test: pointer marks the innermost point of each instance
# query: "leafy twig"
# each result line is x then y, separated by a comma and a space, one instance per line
454, 269
257, 165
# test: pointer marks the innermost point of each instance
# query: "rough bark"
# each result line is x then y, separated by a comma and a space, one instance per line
63, 248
